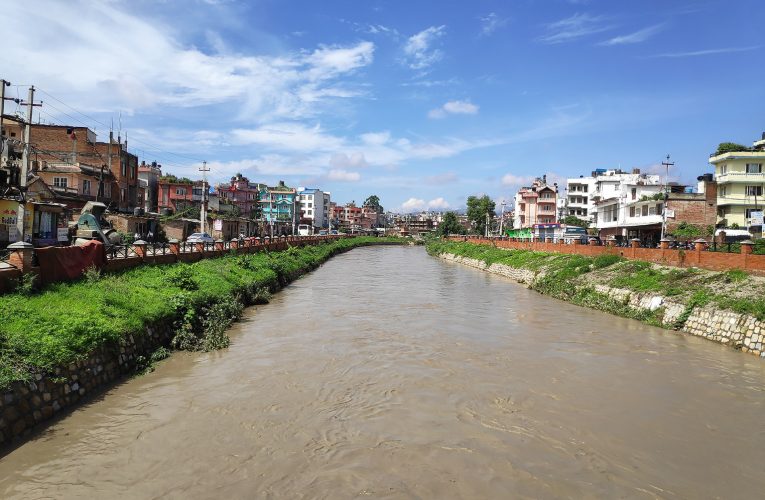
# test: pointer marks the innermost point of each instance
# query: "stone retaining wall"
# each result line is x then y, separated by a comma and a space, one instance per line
27, 404
740, 331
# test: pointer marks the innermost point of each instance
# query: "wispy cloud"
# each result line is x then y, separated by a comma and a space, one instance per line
573, 28
454, 108
491, 23
343, 175
708, 52
636, 37
440, 179
419, 50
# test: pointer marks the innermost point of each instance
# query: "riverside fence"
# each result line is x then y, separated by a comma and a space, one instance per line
22, 260
699, 257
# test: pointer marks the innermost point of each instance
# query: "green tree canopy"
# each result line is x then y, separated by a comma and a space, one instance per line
477, 208
573, 220
374, 201
450, 225
730, 147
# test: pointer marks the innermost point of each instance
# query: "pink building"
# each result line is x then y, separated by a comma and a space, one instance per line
536, 204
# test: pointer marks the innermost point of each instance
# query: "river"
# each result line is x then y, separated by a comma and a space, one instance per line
389, 373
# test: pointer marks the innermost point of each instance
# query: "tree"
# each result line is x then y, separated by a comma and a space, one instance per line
573, 220
477, 208
730, 147
374, 201
450, 225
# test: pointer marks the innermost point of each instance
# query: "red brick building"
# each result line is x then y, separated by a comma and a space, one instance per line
63, 144
240, 193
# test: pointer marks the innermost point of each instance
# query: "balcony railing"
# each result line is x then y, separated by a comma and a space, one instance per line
758, 178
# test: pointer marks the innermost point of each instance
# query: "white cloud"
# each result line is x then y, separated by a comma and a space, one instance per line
343, 160
439, 179
288, 137
376, 138
491, 23
413, 205
636, 37
707, 52
418, 49
453, 107
438, 204
516, 180
573, 28
343, 176
132, 63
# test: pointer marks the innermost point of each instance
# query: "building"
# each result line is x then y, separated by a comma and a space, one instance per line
242, 194
148, 179
740, 180
64, 144
279, 206
346, 217
578, 199
536, 204
74, 184
622, 201
177, 194
314, 207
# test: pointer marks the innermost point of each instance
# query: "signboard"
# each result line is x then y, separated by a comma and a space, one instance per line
62, 234
756, 218
669, 213
8, 212
218, 225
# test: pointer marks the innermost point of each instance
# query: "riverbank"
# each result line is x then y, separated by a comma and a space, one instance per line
725, 307
64, 343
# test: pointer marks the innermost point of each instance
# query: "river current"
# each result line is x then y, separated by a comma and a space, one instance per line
387, 373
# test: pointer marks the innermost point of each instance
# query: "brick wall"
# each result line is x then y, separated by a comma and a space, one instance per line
699, 210
713, 261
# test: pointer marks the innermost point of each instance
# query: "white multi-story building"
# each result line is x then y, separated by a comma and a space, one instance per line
622, 200
578, 199
314, 206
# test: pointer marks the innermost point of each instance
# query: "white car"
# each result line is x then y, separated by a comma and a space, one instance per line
200, 238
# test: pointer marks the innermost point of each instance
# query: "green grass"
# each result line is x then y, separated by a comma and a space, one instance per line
560, 271
66, 321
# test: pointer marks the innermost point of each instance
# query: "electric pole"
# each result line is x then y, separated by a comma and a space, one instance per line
203, 212
502, 219
666, 164
3, 84
25, 160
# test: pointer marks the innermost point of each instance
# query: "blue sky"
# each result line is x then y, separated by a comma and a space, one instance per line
423, 103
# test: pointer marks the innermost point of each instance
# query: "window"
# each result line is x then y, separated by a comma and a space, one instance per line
634, 193
180, 191
754, 190
86, 187
123, 168
123, 194
59, 182
645, 210
723, 169
632, 211
754, 168
659, 208
723, 191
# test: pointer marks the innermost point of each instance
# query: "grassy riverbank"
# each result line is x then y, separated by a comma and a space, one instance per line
579, 279
66, 321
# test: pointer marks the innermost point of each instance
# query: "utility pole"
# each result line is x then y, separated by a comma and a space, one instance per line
487, 223
502, 219
3, 84
666, 164
203, 213
25, 160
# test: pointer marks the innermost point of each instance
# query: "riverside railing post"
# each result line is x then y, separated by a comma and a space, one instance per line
175, 248
21, 256
140, 248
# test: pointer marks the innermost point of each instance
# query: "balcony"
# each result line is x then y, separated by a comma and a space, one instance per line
742, 177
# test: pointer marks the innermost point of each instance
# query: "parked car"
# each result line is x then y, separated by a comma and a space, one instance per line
334, 231
323, 232
200, 238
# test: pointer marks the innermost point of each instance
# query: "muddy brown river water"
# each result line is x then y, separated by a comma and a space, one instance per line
389, 373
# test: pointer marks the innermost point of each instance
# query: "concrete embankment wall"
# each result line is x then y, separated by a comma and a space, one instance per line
26, 406
740, 331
